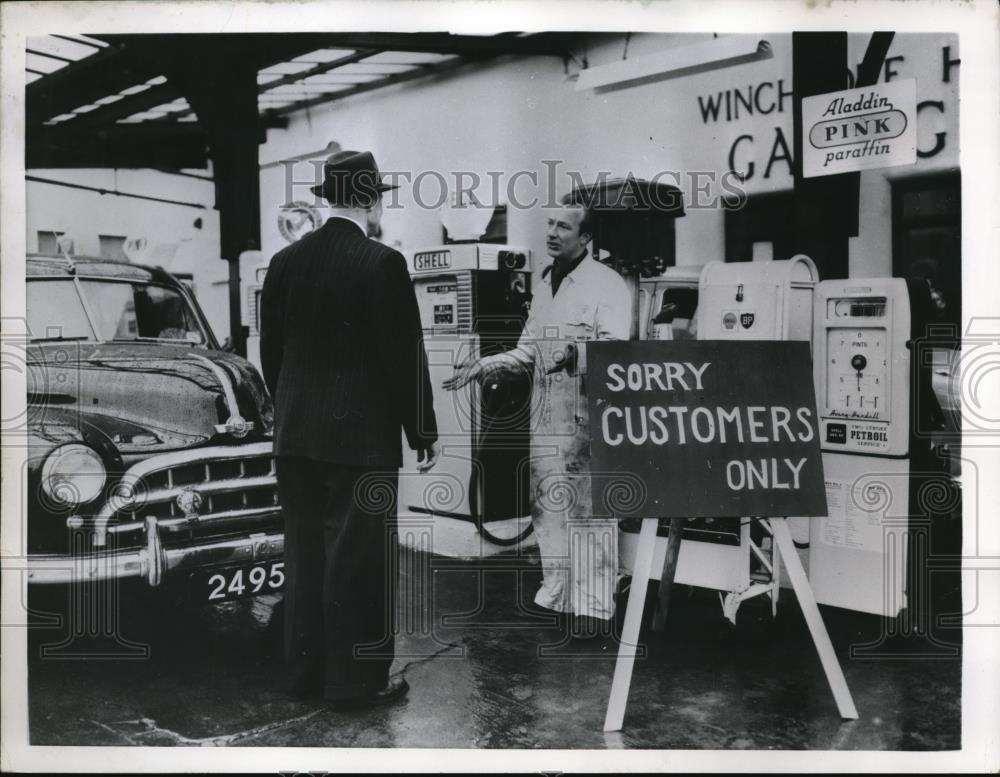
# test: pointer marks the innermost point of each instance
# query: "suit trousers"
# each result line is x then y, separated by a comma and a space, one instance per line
342, 571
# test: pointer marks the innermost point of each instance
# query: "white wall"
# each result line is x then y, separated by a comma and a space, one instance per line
510, 115
174, 241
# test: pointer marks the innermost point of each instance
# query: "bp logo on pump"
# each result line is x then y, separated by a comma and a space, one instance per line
729, 320
860, 129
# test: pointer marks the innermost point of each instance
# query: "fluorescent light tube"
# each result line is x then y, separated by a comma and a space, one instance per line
680, 61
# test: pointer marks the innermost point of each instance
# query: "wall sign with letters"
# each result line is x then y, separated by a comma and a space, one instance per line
704, 429
859, 129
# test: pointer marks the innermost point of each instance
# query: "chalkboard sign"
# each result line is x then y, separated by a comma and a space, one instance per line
702, 429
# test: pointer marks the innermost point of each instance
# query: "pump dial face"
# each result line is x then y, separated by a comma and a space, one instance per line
857, 370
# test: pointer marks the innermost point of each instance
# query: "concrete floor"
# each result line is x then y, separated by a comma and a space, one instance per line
485, 674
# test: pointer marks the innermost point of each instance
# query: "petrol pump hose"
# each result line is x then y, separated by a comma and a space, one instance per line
496, 397
494, 401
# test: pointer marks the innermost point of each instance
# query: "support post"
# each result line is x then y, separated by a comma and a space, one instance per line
817, 629
232, 127
826, 208
226, 107
669, 572
628, 648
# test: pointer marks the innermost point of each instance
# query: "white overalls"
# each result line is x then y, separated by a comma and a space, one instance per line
579, 553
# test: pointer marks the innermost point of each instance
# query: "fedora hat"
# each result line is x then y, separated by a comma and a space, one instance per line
351, 179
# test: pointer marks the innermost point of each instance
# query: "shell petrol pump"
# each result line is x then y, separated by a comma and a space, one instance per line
473, 299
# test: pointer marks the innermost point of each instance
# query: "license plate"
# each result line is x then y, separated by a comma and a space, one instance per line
221, 585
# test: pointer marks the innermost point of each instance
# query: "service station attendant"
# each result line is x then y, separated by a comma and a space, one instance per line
577, 299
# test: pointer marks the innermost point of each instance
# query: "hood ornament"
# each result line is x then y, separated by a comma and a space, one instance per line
237, 426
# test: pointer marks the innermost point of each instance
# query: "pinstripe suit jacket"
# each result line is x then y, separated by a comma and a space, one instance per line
342, 350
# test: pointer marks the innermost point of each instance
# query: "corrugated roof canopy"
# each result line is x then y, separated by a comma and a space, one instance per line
114, 100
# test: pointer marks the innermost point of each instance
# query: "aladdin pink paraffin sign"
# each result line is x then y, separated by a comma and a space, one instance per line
859, 129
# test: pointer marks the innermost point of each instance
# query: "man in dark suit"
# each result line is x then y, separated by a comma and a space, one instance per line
343, 356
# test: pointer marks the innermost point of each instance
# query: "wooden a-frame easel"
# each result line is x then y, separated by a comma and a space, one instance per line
642, 574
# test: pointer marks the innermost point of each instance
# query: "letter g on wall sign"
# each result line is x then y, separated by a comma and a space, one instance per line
708, 428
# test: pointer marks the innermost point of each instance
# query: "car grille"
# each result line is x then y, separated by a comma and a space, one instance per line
193, 495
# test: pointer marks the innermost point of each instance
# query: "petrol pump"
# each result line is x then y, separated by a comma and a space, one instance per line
253, 268
874, 404
668, 303
732, 301
473, 300
871, 397
251, 313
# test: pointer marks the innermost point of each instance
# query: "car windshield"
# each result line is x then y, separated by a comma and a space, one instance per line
119, 310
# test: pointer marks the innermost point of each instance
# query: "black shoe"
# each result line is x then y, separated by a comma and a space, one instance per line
394, 690
304, 687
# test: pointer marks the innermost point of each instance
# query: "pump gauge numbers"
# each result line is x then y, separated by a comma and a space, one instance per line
857, 373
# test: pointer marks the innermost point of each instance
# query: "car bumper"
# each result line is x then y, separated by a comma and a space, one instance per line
154, 562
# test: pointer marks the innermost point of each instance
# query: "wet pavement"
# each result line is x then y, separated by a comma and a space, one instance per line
487, 673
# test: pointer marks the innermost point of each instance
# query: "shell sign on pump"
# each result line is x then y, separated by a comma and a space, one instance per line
860, 129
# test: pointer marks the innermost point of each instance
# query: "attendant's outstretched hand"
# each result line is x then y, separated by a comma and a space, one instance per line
466, 372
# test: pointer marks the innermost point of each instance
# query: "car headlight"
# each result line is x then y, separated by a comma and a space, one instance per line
73, 474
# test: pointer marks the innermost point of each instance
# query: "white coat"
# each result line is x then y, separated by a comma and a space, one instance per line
578, 553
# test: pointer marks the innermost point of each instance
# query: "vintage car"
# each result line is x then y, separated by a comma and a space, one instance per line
149, 447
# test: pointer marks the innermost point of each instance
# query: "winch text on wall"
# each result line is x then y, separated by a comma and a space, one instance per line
738, 104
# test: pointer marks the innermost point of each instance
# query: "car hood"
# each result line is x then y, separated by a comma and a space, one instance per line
149, 397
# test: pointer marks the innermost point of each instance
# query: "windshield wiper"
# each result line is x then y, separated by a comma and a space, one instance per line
171, 340
59, 338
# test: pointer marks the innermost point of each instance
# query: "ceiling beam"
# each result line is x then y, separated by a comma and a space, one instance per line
79, 41
57, 57
389, 80
291, 78
107, 115
123, 64
123, 145
472, 46
106, 72
132, 59
319, 69
270, 48
257, 49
